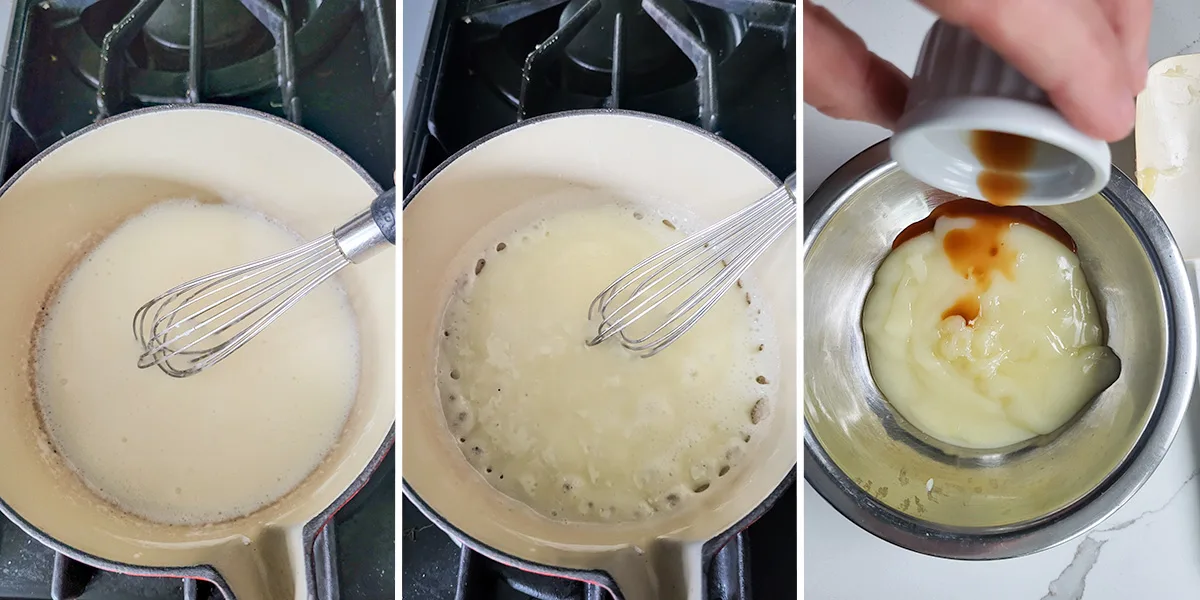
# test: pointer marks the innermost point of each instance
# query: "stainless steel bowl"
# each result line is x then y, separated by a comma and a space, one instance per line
909, 489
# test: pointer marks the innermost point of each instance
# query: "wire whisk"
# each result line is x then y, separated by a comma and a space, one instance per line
197, 324
703, 267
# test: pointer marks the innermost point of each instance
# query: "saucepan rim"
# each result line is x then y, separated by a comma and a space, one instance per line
596, 576
317, 523
828, 480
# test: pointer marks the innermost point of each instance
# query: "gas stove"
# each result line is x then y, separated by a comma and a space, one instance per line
326, 65
727, 66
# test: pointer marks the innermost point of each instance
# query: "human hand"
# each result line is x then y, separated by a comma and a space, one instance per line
1088, 55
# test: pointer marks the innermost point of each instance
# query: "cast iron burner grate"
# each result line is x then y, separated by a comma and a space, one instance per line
327, 66
727, 66
355, 559
642, 48
438, 568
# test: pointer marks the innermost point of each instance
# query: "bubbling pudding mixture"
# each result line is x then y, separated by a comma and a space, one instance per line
980, 327
214, 446
584, 433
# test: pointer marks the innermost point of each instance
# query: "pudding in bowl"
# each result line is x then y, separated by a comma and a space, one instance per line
921, 493
981, 329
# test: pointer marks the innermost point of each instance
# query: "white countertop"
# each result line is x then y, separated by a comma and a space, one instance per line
1149, 550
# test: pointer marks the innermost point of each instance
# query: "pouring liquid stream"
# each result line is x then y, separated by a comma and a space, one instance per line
977, 252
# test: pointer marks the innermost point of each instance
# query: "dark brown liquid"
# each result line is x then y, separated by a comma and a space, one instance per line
1004, 158
978, 252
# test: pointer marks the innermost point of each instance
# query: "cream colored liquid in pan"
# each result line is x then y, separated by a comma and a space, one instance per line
214, 446
596, 433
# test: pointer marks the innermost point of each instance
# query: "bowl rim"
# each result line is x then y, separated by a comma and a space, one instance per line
1075, 519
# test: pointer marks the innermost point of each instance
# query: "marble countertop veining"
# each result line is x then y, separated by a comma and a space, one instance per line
1149, 549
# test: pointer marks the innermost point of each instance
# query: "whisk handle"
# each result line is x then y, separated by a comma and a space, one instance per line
383, 211
366, 234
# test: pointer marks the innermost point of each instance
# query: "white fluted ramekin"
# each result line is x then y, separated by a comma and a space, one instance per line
960, 85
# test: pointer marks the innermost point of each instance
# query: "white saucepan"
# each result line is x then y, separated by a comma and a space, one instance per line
502, 182
67, 199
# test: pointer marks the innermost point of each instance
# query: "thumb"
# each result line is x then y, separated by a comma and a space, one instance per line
845, 80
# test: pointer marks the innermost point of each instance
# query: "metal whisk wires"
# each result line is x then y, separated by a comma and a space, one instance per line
196, 324
698, 270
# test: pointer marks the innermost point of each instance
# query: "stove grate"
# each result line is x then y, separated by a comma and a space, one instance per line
70, 579
127, 73
114, 52
622, 28
481, 578
724, 65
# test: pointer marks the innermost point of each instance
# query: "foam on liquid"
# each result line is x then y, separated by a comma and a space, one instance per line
595, 433
220, 444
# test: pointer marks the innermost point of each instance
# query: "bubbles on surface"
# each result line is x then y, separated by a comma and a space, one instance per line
578, 456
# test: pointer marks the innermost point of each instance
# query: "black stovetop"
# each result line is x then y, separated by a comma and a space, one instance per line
339, 74
469, 82
725, 65
338, 80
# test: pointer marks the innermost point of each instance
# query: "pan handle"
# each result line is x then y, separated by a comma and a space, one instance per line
272, 565
666, 570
